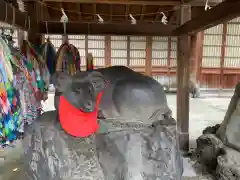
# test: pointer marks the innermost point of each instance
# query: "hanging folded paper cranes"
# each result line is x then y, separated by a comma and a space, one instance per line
64, 20
21, 5
164, 18
133, 20
100, 19
207, 7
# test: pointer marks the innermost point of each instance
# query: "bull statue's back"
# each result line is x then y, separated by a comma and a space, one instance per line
127, 94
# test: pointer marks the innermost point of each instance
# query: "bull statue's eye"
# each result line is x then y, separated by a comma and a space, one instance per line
90, 90
95, 84
78, 90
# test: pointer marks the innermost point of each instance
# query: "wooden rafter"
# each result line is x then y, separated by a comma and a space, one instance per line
131, 2
108, 29
73, 7
8, 13
201, 3
225, 11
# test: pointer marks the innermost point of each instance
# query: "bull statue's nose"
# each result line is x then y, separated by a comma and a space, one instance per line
89, 105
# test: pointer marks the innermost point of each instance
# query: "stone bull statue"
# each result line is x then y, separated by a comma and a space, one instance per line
134, 139
126, 93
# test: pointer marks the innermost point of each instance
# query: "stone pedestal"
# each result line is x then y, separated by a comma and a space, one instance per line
219, 148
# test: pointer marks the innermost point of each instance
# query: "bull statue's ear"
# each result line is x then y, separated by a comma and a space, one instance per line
61, 81
98, 80
80, 77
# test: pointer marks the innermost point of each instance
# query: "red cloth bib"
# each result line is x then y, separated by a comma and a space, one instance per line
76, 122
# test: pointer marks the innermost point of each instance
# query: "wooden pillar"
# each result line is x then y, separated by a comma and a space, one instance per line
196, 47
169, 59
21, 36
199, 55
128, 51
223, 49
33, 12
86, 49
148, 64
107, 51
183, 71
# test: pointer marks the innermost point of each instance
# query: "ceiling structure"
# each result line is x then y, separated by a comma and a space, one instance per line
112, 11
44, 16
82, 15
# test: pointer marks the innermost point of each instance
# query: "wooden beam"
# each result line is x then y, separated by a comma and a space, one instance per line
13, 16
108, 29
225, 11
183, 77
201, 2
131, 2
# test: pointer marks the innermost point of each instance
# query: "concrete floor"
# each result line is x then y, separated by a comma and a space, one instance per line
205, 111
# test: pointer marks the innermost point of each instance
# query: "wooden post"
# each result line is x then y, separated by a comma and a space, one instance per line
107, 51
86, 49
21, 37
193, 63
196, 44
33, 12
223, 49
183, 71
169, 75
148, 65
128, 51
199, 55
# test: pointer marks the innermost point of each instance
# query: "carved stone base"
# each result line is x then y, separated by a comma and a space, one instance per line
208, 149
219, 146
228, 165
